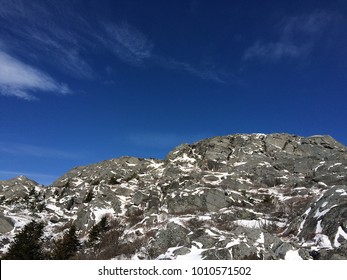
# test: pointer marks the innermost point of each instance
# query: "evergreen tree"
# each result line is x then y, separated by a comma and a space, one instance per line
66, 247
27, 244
94, 234
89, 196
104, 226
98, 230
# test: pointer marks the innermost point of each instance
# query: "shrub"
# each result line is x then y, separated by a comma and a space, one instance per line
195, 223
267, 199
130, 248
89, 196
113, 180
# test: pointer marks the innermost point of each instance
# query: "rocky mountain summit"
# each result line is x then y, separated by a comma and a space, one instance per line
253, 196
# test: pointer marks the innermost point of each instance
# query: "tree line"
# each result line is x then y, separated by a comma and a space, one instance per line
28, 244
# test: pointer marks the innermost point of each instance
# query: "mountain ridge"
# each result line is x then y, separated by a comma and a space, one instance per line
240, 196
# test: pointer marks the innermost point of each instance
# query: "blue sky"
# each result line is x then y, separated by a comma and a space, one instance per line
85, 81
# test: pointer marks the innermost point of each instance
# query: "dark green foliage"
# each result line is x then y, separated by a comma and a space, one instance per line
95, 182
89, 196
27, 244
41, 206
103, 223
32, 192
98, 229
113, 180
66, 247
104, 240
267, 198
70, 204
94, 234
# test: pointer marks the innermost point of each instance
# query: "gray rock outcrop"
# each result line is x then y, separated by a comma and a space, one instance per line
242, 196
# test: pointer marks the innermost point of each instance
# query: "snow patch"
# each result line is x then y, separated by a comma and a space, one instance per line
209, 232
77, 181
233, 243
319, 227
322, 241
239, 163
322, 184
197, 244
53, 207
185, 158
248, 223
194, 254
261, 238
264, 163
99, 213
319, 165
242, 181
292, 255
336, 164
340, 232
304, 220
319, 213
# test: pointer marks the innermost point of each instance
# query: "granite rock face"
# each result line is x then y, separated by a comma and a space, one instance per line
243, 196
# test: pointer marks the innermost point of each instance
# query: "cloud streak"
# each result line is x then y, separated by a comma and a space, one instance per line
308, 26
70, 39
205, 73
19, 149
274, 51
21, 80
64, 51
297, 37
47, 31
128, 43
133, 47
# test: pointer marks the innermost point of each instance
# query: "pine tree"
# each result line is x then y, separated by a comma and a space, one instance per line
94, 234
27, 244
104, 226
89, 196
66, 247
98, 230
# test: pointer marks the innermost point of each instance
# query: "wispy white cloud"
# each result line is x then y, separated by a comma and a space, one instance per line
20, 149
308, 25
127, 42
70, 38
274, 51
63, 49
134, 47
297, 36
203, 72
21, 80
62, 38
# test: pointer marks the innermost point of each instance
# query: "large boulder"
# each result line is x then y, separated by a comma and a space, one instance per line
173, 235
6, 224
326, 220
